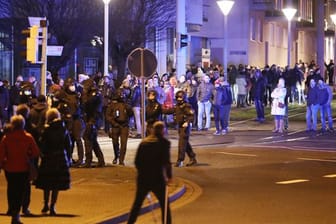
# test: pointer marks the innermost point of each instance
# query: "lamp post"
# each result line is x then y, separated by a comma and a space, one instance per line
289, 13
106, 30
333, 18
225, 6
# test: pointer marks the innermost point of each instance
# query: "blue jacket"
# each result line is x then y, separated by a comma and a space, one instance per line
312, 96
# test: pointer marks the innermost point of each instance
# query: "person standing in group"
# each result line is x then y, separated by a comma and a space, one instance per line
204, 94
54, 170
92, 106
74, 122
152, 161
118, 114
325, 97
136, 106
278, 106
184, 115
153, 110
259, 88
17, 149
312, 106
326, 108
218, 107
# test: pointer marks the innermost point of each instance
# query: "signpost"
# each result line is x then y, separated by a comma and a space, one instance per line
142, 63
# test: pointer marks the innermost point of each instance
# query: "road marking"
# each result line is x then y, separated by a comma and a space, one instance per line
236, 154
292, 181
330, 176
320, 160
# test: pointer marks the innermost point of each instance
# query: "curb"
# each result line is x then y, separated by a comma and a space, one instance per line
123, 217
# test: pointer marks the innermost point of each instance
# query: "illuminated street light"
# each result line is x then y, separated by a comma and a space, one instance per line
225, 6
106, 30
289, 13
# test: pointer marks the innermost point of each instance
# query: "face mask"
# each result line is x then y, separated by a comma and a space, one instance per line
72, 88
27, 92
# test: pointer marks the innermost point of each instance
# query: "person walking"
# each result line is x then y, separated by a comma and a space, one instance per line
153, 164
92, 106
184, 116
278, 106
17, 149
54, 170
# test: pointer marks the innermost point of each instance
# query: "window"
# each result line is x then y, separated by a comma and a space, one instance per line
252, 29
90, 65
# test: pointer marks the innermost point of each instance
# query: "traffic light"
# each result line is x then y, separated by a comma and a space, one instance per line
183, 40
31, 43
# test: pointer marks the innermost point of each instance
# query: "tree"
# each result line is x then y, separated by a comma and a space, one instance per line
73, 22
132, 23
70, 21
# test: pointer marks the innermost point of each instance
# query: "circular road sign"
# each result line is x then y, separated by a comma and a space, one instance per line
142, 62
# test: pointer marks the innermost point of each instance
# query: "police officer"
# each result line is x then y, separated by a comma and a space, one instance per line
91, 102
153, 110
118, 114
75, 124
184, 116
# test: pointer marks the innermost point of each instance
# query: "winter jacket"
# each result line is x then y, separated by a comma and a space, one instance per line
54, 170
16, 149
278, 95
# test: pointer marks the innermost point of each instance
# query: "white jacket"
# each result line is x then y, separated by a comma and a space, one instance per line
278, 95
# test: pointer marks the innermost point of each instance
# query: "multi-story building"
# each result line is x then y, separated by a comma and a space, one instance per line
257, 33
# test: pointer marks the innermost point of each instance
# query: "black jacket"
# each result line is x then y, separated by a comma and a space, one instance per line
152, 160
53, 172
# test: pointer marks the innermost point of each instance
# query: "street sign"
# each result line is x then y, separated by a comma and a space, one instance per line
35, 21
54, 50
142, 62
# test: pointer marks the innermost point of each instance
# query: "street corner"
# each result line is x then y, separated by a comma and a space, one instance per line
179, 190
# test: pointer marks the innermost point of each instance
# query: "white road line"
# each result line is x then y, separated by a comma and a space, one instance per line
320, 160
330, 176
292, 181
236, 154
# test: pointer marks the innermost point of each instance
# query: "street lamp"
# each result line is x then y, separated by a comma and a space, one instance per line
289, 13
106, 30
333, 18
225, 6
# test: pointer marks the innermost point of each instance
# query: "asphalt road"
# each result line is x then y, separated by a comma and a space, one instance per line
257, 177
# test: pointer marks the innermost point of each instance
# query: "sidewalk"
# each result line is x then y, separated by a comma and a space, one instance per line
97, 195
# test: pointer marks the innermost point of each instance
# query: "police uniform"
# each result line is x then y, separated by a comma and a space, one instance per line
91, 100
75, 124
184, 116
153, 110
118, 114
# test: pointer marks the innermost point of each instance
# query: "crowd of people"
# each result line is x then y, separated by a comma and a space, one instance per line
73, 111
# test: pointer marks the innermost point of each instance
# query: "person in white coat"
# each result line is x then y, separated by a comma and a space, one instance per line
278, 106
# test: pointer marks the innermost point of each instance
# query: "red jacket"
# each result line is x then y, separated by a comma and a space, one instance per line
16, 148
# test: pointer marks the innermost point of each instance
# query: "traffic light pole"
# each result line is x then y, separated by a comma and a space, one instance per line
43, 25
181, 52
